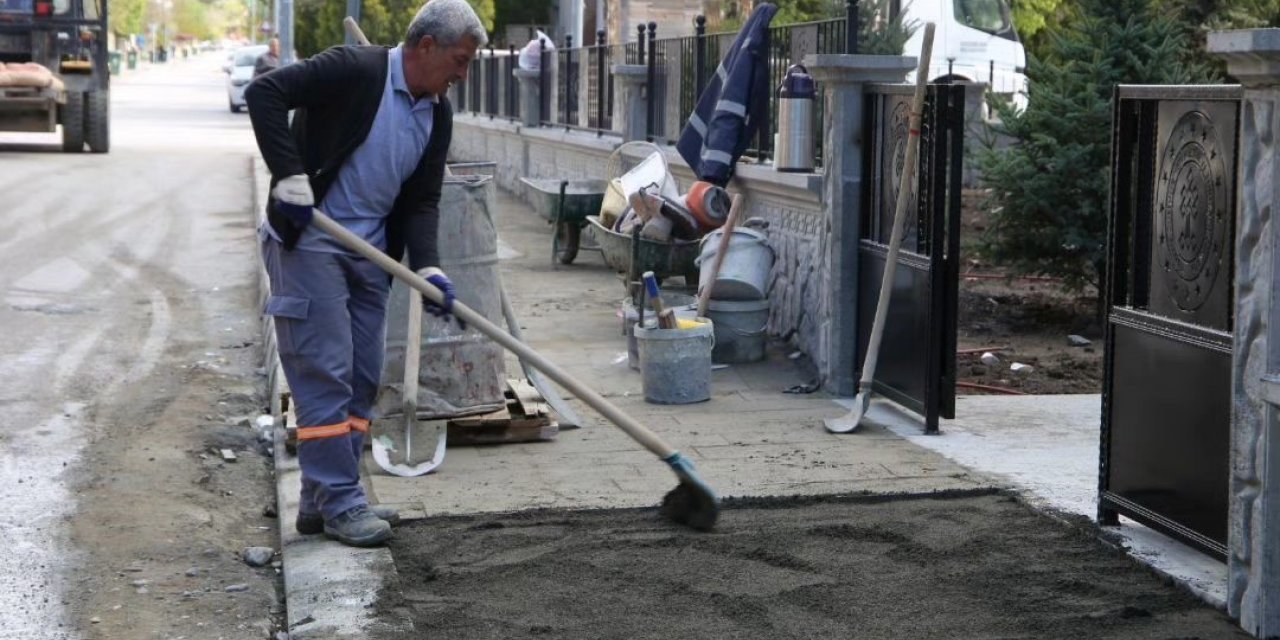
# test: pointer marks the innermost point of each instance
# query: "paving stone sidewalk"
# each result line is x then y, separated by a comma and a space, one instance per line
750, 439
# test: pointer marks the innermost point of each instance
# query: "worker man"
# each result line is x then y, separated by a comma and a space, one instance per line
367, 146
269, 60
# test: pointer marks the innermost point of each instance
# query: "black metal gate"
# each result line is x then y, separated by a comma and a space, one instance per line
1166, 400
917, 366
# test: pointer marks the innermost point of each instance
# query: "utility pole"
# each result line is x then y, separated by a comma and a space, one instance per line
353, 10
284, 30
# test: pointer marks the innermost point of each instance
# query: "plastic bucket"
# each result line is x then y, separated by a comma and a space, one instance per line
651, 172
744, 272
740, 330
675, 364
686, 307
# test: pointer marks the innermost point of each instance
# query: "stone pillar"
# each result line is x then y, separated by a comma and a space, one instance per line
630, 110
530, 95
843, 78
1253, 560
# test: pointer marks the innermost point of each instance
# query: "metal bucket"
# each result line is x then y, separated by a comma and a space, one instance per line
744, 272
675, 364
686, 306
460, 372
740, 330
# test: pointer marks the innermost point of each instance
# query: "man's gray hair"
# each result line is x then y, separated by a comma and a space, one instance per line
446, 21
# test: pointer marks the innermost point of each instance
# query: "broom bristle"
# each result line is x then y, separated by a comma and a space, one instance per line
690, 506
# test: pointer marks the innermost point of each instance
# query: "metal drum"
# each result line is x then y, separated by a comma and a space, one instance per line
461, 372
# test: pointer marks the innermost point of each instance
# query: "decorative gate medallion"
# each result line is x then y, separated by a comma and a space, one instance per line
1193, 210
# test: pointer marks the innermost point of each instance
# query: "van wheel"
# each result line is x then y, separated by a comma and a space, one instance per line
97, 121
73, 123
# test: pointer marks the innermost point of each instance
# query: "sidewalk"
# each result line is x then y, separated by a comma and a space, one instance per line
750, 439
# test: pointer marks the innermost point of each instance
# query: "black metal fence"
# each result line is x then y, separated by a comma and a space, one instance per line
577, 88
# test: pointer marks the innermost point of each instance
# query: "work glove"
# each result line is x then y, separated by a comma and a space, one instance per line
439, 280
294, 199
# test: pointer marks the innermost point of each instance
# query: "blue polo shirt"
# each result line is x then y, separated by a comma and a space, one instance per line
361, 197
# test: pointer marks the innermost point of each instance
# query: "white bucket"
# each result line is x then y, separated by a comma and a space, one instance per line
744, 273
740, 329
651, 172
675, 364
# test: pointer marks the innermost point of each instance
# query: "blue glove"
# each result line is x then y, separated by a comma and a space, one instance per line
439, 280
294, 199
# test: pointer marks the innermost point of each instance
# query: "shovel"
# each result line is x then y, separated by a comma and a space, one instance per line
382, 446
849, 422
691, 503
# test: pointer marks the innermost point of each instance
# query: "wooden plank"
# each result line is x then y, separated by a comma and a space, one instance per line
528, 401
509, 425
502, 433
502, 415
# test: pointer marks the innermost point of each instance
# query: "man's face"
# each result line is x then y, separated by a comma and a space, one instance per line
274, 47
440, 66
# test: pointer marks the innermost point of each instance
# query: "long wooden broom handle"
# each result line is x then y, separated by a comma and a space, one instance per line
631, 426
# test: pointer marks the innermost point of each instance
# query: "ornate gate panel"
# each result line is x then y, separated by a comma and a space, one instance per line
1166, 402
917, 367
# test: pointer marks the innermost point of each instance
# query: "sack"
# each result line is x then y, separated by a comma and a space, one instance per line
531, 54
459, 374
25, 74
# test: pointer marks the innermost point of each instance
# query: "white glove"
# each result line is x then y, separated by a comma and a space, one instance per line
294, 199
295, 190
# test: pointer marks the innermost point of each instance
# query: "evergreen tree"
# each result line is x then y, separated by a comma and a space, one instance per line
1048, 204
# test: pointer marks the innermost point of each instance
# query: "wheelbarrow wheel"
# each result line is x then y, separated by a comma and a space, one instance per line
567, 238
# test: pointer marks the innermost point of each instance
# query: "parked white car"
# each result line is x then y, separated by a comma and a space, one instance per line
239, 72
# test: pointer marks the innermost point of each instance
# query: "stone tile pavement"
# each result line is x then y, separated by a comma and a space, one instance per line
750, 439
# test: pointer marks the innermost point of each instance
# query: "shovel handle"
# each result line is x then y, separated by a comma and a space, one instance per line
353, 30
704, 296
631, 426
899, 214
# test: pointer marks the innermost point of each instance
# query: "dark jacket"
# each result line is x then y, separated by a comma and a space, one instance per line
337, 94
265, 62
734, 106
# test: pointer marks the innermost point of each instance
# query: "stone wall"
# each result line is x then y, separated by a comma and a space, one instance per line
798, 226
1253, 562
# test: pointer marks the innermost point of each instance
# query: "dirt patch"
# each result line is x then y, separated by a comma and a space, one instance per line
1021, 320
960, 566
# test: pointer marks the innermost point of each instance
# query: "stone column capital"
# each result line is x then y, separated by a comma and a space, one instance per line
840, 68
630, 73
1252, 55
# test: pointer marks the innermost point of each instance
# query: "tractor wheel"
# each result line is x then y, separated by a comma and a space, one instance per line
73, 123
97, 120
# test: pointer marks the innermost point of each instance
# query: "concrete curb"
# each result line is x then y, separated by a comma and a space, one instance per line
329, 588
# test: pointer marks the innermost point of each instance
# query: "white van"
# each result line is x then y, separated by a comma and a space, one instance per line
974, 42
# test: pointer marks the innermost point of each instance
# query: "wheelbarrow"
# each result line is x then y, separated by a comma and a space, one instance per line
632, 255
566, 205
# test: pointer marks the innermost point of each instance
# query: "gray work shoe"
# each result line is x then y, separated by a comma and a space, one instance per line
358, 527
312, 523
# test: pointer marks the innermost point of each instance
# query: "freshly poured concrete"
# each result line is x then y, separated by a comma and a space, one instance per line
1047, 448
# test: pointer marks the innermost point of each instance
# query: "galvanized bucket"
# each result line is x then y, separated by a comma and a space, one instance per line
461, 372
675, 364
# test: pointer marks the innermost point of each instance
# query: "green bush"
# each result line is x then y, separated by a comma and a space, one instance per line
1048, 204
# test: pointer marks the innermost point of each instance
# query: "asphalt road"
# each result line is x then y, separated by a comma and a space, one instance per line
125, 279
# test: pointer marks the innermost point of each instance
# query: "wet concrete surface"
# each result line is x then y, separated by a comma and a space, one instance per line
944, 566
